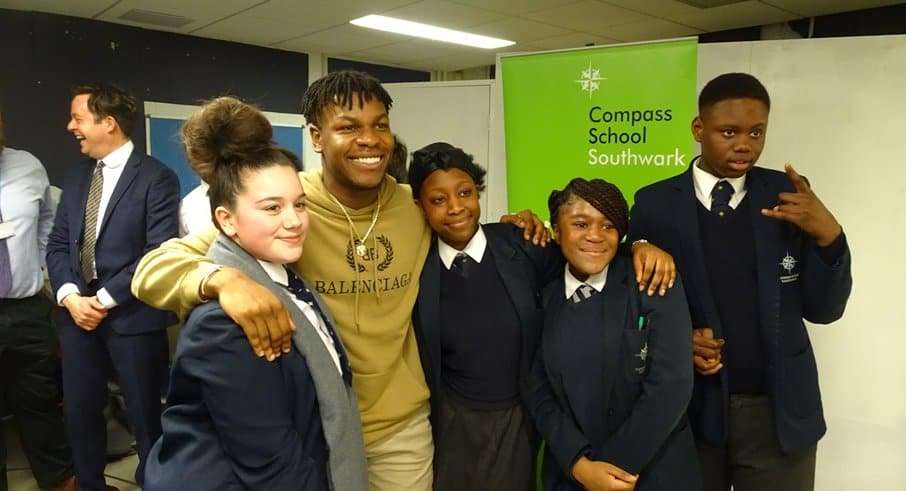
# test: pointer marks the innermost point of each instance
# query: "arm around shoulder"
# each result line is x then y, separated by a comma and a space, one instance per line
168, 277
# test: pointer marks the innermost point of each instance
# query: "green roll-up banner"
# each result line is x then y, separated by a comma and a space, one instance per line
622, 113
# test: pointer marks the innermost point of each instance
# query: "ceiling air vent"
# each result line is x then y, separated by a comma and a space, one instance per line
156, 18
706, 4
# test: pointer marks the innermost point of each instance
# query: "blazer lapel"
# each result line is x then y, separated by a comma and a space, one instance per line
429, 309
77, 218
694, 271
590, 353
122, 184
768, 241
616, 302
512, 275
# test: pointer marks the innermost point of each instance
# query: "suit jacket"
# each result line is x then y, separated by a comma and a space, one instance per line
237, 421
793, 283
613, 390
143, 212
524, 269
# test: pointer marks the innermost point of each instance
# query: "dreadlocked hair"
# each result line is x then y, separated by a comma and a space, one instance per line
342, 89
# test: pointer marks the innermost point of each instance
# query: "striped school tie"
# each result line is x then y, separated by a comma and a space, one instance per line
89, 233
582, 293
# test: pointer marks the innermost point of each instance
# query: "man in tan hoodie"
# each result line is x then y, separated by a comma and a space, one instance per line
368, 245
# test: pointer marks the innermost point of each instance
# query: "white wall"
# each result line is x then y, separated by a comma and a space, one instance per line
458, 113
838, 113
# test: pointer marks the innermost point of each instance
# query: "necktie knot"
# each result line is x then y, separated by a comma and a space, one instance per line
584, 292
463, 264
720, 198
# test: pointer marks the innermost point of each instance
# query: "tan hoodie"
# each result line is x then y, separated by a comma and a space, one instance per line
372, 297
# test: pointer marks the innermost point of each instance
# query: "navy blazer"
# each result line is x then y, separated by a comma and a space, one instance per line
524, 269
235, 420
666, 214
616, 390
142, 213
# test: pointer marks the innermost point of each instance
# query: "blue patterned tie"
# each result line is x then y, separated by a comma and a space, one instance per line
6, 272
297, 287
720, 198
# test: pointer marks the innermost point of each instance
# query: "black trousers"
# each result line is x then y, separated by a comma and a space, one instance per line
30, 390
90, 358
479, 450
752, 459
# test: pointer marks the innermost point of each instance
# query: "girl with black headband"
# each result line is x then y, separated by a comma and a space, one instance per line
612, 379
478, 321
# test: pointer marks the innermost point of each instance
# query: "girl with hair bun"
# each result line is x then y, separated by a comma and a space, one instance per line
234, 420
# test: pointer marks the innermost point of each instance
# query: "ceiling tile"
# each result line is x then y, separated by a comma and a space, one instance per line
415, 50
809, 8
202, 12
650, 30
575, 40
341, 39
323, 13
86, 8
444, 14
462, 61
587, 16
515, 7
745, 14
663, 9
518, 30
251, 30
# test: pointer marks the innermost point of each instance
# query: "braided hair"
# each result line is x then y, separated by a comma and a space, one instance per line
600, 194
341, 89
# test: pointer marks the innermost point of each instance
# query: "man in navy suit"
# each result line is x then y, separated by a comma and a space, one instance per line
758, 253
116, 206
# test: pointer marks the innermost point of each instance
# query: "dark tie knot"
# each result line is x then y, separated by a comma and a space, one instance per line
463, 264
720, 198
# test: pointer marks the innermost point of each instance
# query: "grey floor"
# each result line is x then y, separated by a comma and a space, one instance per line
120, 474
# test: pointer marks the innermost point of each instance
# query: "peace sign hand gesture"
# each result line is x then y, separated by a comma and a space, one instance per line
805, 210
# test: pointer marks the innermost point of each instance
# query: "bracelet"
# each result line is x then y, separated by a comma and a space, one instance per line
204, 283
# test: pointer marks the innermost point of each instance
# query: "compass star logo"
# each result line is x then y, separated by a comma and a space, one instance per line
788, 262
590, 79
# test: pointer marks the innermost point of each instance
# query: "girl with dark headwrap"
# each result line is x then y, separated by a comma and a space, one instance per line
612, 378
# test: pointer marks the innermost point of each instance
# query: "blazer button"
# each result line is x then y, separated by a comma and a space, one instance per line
610, 412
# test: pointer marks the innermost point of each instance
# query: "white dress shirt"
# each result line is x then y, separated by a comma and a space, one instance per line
195, 211
596, 281
26, 208
474, 249
704, 183
278, 273
114, 163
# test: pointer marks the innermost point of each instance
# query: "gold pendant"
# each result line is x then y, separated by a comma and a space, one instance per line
360, 249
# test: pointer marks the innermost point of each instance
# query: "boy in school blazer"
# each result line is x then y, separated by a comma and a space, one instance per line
758, 253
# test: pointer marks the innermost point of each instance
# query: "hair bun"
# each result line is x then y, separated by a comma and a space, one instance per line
223, 131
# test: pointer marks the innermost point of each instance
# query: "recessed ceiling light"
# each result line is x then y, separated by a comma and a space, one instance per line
427, 31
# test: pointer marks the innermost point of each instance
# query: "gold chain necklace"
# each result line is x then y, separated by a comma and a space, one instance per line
360, 247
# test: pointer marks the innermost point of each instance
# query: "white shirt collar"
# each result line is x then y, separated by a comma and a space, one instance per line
704, 183
119, 156
475, 249
595, 281
276, 271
